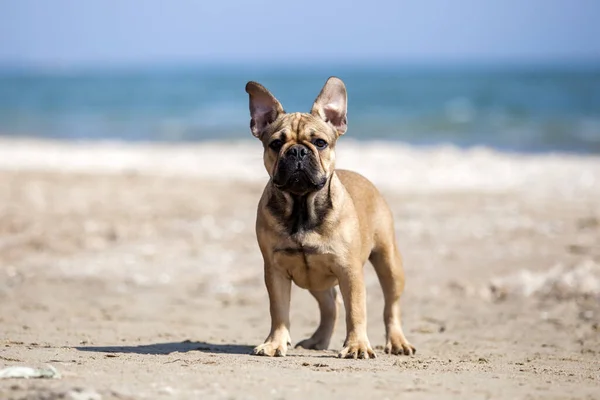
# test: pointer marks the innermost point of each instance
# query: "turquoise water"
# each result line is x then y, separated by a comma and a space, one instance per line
525, 110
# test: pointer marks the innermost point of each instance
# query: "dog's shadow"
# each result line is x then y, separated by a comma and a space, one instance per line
171, 347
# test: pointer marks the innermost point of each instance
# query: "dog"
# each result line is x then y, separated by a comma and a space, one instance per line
317, 226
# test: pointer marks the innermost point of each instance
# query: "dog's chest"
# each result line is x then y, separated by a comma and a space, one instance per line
309, 266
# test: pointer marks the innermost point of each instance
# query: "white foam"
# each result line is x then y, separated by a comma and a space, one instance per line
389, 165
559, 282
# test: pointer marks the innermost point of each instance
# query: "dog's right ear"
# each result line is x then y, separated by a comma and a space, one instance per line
331, 104
264, 107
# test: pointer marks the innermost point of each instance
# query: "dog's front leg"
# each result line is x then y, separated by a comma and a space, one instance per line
279, 288
353, 290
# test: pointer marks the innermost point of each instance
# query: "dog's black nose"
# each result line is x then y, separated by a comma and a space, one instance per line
298, 151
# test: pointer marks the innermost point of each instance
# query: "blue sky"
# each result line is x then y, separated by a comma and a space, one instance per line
71, 33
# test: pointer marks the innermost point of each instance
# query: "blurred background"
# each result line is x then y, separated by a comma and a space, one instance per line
512, 75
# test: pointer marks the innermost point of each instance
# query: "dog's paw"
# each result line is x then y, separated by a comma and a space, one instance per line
357, 349
271, 349
398, 345
314, 343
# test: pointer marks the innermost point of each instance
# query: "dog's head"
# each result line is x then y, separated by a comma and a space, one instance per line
299, 148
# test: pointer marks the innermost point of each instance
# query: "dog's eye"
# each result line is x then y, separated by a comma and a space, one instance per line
276, 144
320, 143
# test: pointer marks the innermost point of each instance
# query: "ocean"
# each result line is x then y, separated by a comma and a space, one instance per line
511, 109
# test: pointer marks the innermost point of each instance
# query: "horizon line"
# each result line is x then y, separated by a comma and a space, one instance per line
309, 64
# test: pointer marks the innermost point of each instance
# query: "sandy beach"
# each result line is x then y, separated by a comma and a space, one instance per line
133, 270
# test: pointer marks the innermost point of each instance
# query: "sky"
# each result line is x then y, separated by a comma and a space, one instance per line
72, 33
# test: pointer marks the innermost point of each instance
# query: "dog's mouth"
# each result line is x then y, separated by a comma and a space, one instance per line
300, 182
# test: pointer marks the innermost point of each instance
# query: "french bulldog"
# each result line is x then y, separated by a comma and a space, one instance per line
317, 226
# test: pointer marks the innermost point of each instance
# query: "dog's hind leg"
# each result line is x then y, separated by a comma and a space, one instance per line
328, 307
388, 265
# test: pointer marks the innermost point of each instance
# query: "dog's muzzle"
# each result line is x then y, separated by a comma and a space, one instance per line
298, 171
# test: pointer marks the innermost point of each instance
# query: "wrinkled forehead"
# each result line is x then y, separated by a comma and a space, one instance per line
300, 126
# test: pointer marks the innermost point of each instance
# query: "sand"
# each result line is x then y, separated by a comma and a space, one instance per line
133, 270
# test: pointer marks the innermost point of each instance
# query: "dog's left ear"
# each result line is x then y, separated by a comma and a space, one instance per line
264, 107
331, 104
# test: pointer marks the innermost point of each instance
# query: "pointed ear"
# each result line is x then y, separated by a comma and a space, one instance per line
331, 104
264, 107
